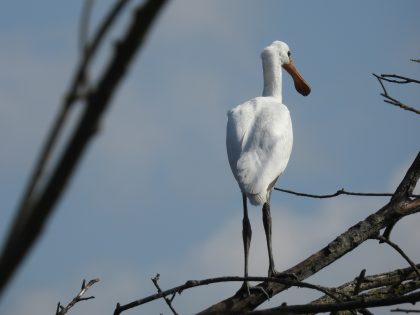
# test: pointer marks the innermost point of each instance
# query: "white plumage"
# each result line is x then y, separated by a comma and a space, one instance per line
259, 143
259, 140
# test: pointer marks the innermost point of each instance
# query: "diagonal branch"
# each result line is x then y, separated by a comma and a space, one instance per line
395, 78
61, 310
40, 208
400, 251
344, 243
24, 208
384, 280
409, 182
167, 301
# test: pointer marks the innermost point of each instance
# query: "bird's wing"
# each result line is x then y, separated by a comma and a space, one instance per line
265, 147
237, 126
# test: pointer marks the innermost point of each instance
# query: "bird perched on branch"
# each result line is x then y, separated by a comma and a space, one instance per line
259, 141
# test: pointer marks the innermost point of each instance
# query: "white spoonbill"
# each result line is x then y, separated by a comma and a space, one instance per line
259, 141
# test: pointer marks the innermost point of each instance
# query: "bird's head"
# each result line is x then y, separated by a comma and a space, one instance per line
281, 51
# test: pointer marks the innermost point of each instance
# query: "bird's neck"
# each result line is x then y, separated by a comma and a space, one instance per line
272, 75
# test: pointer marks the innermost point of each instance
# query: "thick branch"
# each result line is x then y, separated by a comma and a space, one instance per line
387, 280
334, 307
353, 237
407, 185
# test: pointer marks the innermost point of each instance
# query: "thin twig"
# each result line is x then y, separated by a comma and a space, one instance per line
337, 193
400, 251
390, 99
168, 301
79, 297
393, 101
401, 310
395, 78
195, 283
359, 280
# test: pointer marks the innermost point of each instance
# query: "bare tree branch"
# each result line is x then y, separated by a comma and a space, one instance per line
336, 296
409, 182
334, 307
36, 211
405, 310
61, 310
352, 238
359, 280
385, 280
168, 301
390, 99
395, 78
84, 26
78, 83
339, 295
400, 251
339, 192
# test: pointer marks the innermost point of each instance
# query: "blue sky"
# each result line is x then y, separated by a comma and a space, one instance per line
154, 193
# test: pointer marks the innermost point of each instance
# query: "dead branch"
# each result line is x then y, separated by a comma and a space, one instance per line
400, 251
405, 310
61, 310
168, 301
399, 80
35, 209
395, 78
389, 282
339, 192
397, 208
334, 307
335, 296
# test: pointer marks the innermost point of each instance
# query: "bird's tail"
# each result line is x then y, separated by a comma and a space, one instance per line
257, 199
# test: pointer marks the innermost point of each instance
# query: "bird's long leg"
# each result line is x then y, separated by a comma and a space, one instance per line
267, 228
246, 236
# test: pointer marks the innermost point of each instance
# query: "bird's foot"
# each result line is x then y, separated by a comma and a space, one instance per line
246, 289
272, 273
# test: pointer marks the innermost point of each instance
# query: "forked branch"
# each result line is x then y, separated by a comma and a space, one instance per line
370, 227
61, 310
393, 78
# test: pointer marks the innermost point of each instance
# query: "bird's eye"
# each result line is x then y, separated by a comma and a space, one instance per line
289, 53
